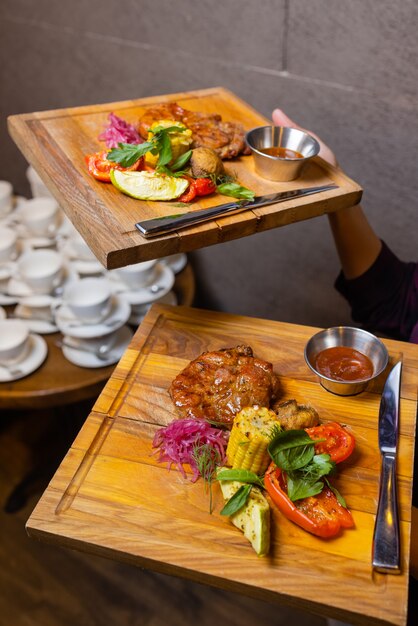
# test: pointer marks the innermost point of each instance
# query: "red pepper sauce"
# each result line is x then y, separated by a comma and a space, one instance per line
343, 363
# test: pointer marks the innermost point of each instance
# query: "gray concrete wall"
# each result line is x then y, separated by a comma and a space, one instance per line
346, 70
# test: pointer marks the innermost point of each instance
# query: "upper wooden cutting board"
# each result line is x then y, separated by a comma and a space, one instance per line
111, 497
55, 143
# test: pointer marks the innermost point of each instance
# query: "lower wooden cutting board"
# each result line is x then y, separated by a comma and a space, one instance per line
111, 497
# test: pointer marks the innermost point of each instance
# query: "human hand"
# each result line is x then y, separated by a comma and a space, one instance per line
280, 119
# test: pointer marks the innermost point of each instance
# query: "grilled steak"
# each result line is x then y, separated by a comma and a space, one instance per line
208, 129
218, 384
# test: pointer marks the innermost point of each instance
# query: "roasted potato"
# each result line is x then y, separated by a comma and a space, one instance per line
205, 162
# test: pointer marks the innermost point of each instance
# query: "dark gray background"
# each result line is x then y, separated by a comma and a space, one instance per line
346, 70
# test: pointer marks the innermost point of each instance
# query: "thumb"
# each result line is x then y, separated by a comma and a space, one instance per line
281, 119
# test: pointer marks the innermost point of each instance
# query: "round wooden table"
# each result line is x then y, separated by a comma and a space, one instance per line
58, 382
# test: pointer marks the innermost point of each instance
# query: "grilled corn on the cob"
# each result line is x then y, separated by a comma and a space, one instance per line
249, 438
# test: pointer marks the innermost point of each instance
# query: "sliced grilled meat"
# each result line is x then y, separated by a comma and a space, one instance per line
208, 129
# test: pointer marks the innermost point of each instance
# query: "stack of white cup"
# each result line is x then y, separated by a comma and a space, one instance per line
14, 342
37, 186
40, 217
6, 198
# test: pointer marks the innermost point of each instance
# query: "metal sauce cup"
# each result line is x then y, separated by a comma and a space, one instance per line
278, 168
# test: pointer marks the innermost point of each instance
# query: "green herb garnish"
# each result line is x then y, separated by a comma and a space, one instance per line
126, 154
242, 475
307, 481
207, 459
336, 493
291, 449
238, 500
235, 190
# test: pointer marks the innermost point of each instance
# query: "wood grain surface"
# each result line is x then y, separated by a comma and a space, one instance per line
55, 143
111, 497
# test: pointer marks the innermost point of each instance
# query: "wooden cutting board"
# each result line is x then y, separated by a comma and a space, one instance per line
55, 143
111, 497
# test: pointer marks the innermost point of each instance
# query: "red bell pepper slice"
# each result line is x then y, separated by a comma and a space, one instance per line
204, 186
190, 194
197, 187
321, 515
99, 166
339, 442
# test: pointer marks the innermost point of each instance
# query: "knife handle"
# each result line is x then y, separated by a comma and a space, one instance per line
163, 225
386, 545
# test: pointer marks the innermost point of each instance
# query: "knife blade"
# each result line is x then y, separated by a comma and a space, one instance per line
386, 543
163, 225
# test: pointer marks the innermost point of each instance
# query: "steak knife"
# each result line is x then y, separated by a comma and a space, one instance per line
163, 225
386, 544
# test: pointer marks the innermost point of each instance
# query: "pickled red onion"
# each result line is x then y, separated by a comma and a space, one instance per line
118, 131
178, 440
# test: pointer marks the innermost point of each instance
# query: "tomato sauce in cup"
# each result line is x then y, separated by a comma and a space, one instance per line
344, 363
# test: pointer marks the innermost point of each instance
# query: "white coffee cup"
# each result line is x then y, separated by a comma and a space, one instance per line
138, 275
80, 248
37, 186
6, 271
40, 216
14, 341
8, 239
89, 299
41, 270
6, 198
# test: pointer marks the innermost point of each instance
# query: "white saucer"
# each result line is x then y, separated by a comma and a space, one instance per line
164, 279
85, 359
38, 350
6, 300
138, 313
68, 250
37, 301
70, 325
2, 313
29, 242
7, 269
87, 268
176, 262
43, 327
19, 289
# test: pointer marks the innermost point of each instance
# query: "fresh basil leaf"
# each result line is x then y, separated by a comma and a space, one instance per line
181, 161
242, 475
127, 153
336, 493
236, 191
294, 458
298, 487
291, 449
164, 149
238, 500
